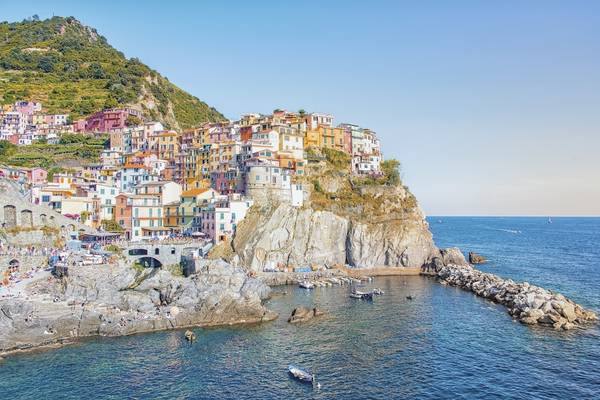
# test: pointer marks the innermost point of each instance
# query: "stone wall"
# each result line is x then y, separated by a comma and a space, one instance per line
19, 218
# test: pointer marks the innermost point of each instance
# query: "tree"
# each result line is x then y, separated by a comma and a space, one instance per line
132, 120
95, 71
391, 171
46, 64
302, 112
6, 148
110, 225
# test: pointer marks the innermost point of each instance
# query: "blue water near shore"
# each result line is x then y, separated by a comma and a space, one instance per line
444, 344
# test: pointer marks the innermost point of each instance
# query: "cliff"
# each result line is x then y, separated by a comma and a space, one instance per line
358, 221
113, 300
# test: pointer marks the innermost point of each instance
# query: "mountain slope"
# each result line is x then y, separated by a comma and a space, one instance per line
72, 69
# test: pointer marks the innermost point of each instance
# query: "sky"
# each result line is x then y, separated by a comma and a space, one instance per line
492, 107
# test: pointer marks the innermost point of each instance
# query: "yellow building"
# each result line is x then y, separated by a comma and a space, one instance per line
171, 215
331, 138
312, 138
168, 145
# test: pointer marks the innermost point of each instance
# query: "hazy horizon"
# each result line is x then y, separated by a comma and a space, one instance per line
492, 108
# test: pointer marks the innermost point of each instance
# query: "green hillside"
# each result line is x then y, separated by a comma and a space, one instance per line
71, 68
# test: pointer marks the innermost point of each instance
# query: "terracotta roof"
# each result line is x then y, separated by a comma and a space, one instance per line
193, 192
130, 165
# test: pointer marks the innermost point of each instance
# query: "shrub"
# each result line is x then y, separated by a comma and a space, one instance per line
391, 171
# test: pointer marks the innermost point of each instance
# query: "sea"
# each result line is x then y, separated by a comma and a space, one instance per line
445, 343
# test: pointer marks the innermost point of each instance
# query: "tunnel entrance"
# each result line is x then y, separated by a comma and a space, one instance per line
149, 262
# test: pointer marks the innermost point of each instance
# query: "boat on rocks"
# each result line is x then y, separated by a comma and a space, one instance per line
301, 374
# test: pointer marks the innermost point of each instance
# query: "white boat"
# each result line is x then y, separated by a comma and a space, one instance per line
306, 285
301, 374
356, 294
378, 291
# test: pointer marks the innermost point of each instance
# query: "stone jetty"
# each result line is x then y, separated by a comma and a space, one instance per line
529, 304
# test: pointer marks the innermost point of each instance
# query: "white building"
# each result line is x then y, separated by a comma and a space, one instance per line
316, 119
265, 180
219, 219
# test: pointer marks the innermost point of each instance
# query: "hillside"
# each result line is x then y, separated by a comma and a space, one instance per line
71, 151
71, 68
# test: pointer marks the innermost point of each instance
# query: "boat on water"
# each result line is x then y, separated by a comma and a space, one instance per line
378, 291
306, 285
301, 374
549, 220
356, 294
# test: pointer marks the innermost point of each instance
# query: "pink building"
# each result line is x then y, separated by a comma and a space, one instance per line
28, 107
32, 176
110, 120
348, 140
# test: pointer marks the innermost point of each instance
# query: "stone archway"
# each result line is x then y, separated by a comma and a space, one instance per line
10, 216
149, 262
26, 218
43, 219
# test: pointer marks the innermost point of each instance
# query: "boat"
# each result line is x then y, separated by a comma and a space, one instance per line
409, 297
549, 220
356, 294
306, 285
378, 291
301, 374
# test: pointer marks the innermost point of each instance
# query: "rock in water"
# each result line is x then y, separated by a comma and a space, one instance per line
475, 258
190, 336
303, 314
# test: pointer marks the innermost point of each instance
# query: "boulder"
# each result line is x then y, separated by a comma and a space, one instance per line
303, 314
475, 258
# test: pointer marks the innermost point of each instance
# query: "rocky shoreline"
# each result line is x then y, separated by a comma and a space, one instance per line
116, 300
529, 304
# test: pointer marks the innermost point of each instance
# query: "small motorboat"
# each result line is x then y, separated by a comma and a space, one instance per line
306, 285
356, 294
301, 374
409, 298
378, 291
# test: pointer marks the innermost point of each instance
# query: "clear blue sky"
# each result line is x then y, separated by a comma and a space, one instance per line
493, 108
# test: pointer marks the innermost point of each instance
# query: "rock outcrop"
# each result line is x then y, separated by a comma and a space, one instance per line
303, 314
284, 236
475, 258
113, 300
527, 303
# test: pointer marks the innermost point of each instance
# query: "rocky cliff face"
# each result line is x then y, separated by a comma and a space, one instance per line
376, 231
112, 300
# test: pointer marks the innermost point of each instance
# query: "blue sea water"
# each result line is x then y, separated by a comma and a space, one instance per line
444, 344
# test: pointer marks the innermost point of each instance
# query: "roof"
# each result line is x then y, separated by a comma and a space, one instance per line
193, 192
131, 165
